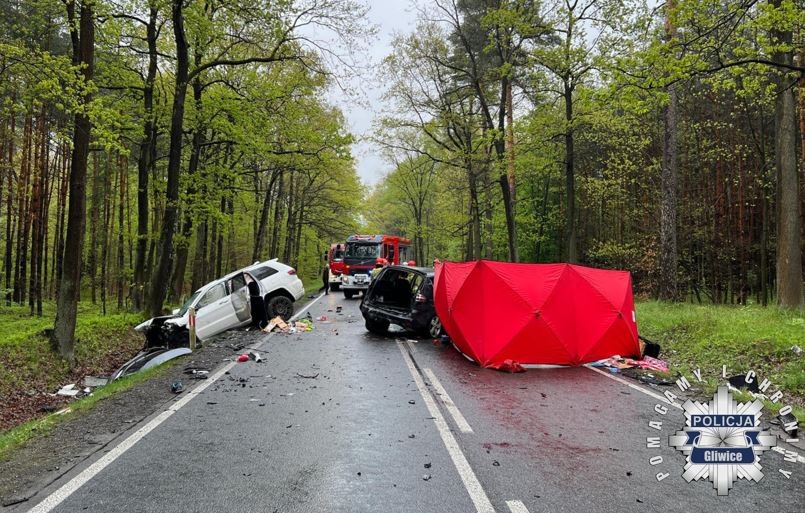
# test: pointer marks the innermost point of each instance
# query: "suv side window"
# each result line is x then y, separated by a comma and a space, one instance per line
263, 272
416, 282
212, 295
236, 283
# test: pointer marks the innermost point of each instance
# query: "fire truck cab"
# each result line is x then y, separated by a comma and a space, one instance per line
335, 260
361, 255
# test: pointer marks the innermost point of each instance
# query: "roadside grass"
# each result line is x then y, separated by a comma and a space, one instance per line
16, 436
743, 338
30, 368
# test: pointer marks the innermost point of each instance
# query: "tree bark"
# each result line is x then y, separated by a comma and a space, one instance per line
145, 161
789, 229
571, 252
510, 172
70, 285
161, 276
668, 288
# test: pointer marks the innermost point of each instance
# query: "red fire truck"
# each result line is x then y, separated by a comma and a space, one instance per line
335, 260
361, 255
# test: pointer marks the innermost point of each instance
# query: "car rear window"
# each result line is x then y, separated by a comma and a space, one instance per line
262, 272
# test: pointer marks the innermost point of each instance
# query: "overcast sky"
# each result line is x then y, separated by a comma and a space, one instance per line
389, 16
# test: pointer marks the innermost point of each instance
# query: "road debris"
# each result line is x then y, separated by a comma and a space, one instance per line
254, 355
68, 390
243, 358
426, 477
789, 423
508, 365
177, 387
739, 382
94, 381
314, 376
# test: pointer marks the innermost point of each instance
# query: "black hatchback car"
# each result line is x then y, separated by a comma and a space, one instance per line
401, 295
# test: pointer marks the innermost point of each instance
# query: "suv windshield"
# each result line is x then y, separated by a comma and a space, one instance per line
355, 250
186, 306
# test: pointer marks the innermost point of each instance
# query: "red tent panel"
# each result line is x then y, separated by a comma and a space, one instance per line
536, 313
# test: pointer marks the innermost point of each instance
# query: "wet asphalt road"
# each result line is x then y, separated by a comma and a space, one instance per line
356, 435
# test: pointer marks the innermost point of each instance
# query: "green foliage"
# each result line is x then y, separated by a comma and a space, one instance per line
742, 338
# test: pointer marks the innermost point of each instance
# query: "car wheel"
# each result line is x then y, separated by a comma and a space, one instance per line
378, 327
348, 294
280, 306
435, 329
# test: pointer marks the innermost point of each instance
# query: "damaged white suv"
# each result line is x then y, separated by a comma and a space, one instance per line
251, 295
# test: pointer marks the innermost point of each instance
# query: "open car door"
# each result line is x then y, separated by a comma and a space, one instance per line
223, 307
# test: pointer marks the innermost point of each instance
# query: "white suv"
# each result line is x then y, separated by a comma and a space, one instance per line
250, 295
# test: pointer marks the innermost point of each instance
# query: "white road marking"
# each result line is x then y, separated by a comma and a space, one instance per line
516, 506
458, 418
57, 497
635, 387
471, 483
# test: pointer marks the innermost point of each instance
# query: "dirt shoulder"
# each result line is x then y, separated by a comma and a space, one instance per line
43, 459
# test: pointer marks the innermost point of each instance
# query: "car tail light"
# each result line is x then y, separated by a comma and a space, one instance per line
292, 271
420, 298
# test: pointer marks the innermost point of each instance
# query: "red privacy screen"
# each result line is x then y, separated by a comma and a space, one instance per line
536, 313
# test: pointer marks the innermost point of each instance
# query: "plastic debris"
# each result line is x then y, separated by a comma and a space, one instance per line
94, 381
322, 318
177, 387
796, 349
254, 355
313, 376
304, 325
243, 358
790, 424
426, 477
739, 382
68, 390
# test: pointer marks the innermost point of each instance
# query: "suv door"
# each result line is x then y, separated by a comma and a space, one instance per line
239, 295
212, 309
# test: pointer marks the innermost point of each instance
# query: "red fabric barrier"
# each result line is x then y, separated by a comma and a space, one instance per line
536, 313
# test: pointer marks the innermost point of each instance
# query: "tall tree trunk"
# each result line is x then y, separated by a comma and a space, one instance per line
121, 247
145, 161
262, 227
94, 216
65, 182
273, 251
10, 205
199, 260
789, 228
510, 172
571, 252
161, 276
668, 289
23, 219
69, 289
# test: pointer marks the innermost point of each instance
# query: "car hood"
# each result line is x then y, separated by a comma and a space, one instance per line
178, 320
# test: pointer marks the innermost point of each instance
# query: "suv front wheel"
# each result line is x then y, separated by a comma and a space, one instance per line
280, 306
